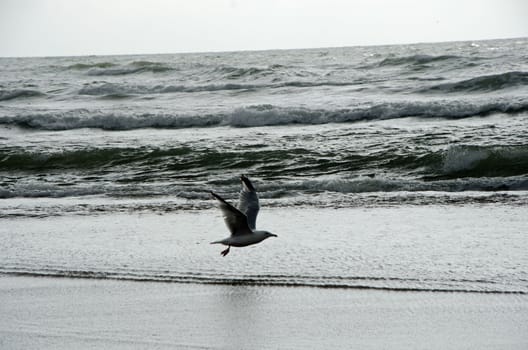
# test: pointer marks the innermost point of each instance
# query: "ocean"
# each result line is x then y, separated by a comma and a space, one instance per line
401, 168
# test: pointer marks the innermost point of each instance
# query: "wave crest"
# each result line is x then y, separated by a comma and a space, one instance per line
480, 161
269, 115
458, 168
110, 68
416, 59
237, 73
258, 115
84, 158
484, 83
113, 89
6, 95
81, 66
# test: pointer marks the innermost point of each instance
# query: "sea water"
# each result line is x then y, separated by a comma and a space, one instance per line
394, 167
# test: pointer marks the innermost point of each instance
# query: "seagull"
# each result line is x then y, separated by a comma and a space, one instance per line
241, 222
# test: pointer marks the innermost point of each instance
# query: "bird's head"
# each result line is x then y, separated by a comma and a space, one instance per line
269, 234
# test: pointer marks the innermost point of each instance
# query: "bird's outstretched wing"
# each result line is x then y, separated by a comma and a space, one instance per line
248, 202
236, 221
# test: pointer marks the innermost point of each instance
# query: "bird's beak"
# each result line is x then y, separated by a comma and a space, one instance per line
273, 235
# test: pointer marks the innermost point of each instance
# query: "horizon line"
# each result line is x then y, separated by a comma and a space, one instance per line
271, 49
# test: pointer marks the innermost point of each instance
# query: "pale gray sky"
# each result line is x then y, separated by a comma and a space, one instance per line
87, 27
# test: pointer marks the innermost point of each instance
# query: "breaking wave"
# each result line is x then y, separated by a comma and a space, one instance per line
480, 161
285, 192
455, 169
261, 115
82, 118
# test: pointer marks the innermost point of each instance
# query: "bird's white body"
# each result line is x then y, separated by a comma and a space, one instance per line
241, 221
245, 240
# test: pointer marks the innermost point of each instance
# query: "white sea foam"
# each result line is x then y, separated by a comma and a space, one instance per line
253, 116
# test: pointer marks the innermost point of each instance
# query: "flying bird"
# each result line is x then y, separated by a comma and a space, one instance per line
241, 222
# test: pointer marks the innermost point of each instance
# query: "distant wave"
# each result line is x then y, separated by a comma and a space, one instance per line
82, 66
230, 72
482, 83
416, 59
262, 115
119, 89
105, 89
327, 282
6, 95
109, 68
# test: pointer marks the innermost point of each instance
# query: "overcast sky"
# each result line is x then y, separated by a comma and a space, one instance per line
88, 27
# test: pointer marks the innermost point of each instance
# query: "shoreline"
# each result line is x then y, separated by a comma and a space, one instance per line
62, 313
248, 282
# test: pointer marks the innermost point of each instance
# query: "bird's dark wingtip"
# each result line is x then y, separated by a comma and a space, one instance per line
247, 183
217, 197
214, 195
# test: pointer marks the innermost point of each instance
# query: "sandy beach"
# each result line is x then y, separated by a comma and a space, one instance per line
55, 313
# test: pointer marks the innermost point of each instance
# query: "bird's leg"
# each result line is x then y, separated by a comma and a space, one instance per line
225, 252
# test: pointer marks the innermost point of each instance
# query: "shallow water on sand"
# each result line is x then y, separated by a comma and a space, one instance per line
434, 248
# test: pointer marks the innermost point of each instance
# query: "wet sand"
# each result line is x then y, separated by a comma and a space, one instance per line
62, 313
